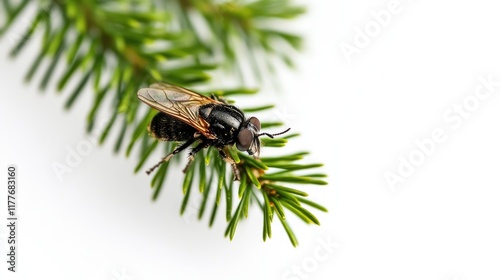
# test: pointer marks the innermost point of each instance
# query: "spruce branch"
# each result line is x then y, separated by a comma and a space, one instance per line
117, 47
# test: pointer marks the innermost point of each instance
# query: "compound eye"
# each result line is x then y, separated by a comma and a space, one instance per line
245, 138
255, 122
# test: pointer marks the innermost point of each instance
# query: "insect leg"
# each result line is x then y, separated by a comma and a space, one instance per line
205, 143
173, 153
230, 160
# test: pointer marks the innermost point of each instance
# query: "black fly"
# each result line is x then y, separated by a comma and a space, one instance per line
186, 116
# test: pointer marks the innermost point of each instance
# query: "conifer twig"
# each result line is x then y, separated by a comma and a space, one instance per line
117, 47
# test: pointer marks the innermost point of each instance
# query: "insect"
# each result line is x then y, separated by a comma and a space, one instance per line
186, 116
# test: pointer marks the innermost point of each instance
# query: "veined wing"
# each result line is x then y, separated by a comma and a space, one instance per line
178, 102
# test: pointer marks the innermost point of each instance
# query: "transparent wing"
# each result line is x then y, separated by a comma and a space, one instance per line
178, 102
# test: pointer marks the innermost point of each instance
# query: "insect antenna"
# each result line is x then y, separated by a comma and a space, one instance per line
272, 135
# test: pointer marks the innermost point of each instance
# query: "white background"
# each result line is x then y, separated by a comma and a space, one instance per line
359, 118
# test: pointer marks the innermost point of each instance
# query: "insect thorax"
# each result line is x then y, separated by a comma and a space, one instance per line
225, 121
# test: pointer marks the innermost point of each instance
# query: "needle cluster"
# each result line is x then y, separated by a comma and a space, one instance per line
117, 47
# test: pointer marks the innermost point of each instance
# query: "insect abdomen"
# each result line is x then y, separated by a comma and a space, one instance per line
167, 128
